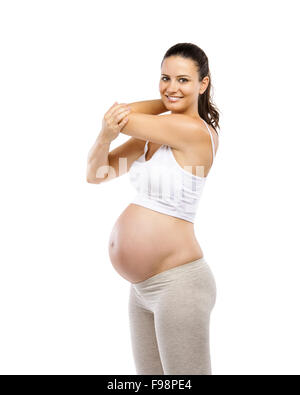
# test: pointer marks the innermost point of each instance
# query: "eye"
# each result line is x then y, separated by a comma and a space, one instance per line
179, 79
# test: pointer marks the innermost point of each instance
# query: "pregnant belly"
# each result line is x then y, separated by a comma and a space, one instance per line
144, 242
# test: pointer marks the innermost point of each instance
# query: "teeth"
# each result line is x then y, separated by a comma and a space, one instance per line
171, 98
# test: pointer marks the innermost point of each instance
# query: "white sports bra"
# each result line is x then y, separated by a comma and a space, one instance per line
163, 185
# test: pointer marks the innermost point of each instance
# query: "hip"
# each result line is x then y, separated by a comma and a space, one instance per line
184, 284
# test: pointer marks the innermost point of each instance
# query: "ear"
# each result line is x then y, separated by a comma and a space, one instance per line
204, 85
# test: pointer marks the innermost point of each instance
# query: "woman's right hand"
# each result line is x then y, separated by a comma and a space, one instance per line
114, 120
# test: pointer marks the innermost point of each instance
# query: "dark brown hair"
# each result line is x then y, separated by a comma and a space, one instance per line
206, 108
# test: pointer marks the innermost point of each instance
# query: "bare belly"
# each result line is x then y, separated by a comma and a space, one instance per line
144, 242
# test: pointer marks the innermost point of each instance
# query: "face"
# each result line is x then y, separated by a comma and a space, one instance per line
180, 79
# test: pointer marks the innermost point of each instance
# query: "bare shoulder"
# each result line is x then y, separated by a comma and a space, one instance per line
202, 145
198, 153
205, 133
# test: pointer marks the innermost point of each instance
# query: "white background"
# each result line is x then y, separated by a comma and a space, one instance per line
63, 307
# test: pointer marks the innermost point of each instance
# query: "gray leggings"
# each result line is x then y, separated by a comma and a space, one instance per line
169, 316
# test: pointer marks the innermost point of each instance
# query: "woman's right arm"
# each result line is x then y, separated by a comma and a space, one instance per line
98, 163
110, 165
104, 165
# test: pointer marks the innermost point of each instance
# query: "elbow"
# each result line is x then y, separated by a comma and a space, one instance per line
91, 174
90, 181
94, 174
94, 180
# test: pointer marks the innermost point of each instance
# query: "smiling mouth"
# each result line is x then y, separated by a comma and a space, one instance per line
173, 99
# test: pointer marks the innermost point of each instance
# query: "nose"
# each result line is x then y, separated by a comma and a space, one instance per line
172, 87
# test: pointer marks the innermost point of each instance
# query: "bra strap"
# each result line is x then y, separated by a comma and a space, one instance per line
212, 140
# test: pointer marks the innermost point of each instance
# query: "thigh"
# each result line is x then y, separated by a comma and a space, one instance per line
143, 337
182, 319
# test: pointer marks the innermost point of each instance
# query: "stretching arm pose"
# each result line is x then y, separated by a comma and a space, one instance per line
104, 165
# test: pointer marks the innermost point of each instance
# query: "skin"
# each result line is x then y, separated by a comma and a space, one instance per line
188, 87
144, 242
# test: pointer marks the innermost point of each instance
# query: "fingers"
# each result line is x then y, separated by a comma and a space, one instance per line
121, 114
118, 110
122, 124
114, 108
108, 112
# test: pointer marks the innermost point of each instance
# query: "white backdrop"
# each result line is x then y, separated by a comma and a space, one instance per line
63, 307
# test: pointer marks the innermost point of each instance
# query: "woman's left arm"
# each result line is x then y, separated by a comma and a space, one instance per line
176, 130
152, 107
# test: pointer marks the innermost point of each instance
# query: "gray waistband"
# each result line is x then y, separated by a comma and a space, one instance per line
171, 274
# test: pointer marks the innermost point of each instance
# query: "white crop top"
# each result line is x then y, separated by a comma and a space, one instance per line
164, 186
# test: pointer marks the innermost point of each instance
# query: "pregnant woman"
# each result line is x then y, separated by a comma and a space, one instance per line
153, 244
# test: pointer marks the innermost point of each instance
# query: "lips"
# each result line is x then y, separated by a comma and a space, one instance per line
173, 99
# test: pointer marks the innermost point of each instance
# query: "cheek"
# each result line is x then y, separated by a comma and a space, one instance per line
189, 94
188, 91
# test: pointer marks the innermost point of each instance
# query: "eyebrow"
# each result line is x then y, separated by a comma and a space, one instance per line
182, 75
